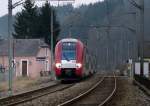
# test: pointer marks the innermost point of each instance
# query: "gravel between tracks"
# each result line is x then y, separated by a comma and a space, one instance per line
128, 95
59, 97
98, 95
38, 83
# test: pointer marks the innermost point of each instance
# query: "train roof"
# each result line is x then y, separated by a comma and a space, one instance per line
69, 40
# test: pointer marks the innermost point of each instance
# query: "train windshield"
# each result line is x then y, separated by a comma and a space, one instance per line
69, 51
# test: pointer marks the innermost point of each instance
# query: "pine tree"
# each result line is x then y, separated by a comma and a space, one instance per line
45, 24
33, 24
26, 24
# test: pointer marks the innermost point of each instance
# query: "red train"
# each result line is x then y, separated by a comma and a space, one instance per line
72, 60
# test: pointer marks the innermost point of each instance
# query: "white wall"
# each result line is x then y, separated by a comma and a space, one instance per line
137, 68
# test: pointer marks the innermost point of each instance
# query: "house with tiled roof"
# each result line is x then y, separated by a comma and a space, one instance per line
31, 57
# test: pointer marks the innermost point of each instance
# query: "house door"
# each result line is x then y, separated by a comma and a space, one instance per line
24, 68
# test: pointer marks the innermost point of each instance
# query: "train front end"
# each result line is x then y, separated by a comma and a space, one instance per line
69, 59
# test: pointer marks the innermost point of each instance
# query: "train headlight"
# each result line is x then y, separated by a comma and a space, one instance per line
78, 65
58, 65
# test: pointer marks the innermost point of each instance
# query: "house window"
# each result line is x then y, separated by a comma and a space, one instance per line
40, 58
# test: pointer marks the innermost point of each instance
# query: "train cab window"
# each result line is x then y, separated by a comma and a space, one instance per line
69, 51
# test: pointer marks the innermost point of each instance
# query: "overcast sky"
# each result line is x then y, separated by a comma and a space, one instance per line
4, 3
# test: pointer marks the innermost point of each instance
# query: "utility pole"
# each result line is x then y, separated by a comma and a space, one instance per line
52, 41
142, 36
115, 55
10, 45
10, 41
108, 33
129, 53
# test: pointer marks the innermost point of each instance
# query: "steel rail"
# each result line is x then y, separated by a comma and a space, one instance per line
91, 89
81, 95
111, 95
9, 100
146, 90
35, 90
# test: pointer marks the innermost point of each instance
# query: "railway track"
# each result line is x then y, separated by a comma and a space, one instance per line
142, 87
31, 95
99, 95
